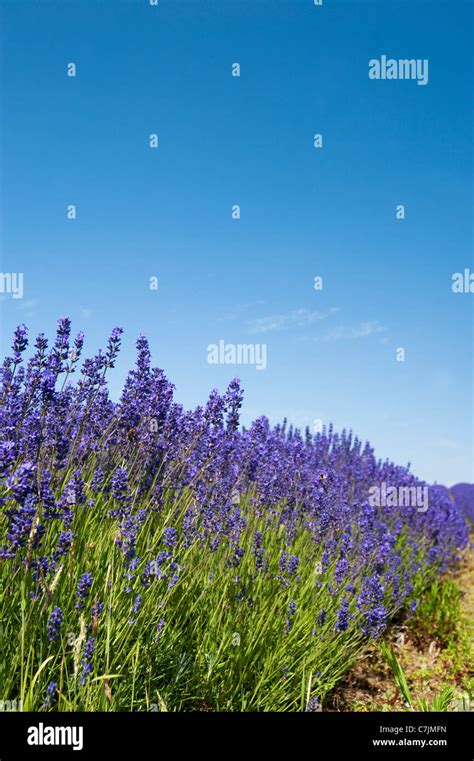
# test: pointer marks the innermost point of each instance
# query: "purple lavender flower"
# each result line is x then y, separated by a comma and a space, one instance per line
63, 546
97, 481
97, 608
83, 590
51, 694
20, 342
54, 624
343, 616
238, 553
135, 609
120, 492
21, 524
292, 565
129, 529
160, 627
170, 537
290, 614
313, 705
342, 567
258, 550
113, 347
86, 660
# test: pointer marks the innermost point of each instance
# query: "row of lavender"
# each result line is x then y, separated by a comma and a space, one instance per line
180, 499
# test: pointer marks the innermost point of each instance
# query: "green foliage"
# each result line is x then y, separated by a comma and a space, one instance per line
192, 646
438, 616
445, 700
397, 671
217, 640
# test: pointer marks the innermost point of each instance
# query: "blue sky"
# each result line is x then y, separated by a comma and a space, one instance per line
305, 212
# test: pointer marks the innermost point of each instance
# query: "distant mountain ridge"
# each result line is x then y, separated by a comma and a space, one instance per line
463, 494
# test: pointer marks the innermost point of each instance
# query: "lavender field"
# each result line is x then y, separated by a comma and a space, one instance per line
155, 558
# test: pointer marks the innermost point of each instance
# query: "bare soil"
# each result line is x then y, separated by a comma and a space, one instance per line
429, 665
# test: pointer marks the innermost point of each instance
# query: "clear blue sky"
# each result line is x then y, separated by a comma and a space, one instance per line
305, 212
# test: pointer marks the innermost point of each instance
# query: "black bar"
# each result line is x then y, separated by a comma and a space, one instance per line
172, 735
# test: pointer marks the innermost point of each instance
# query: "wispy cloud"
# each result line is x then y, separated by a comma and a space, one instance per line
27, 307
86, 312
350, 332
298, 318
444, 443
240, 309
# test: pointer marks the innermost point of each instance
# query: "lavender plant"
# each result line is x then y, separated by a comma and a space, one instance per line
155, 556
